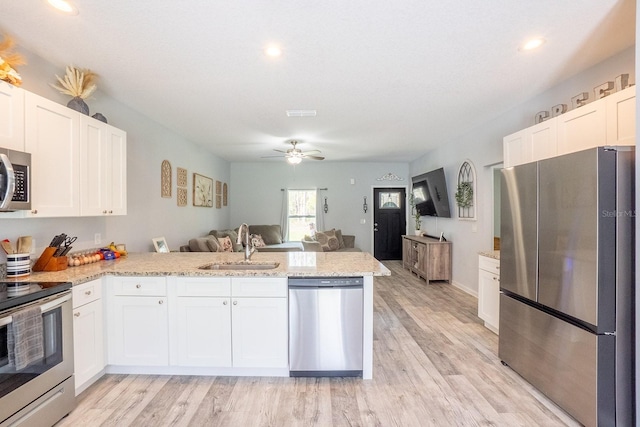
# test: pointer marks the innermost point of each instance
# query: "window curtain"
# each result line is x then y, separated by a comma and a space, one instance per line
319, 212
284, 216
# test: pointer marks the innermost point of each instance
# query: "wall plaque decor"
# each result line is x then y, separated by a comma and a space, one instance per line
465, 192
390, 177
202, 191
181, 194
218, 187
225, 194
165, 179
181, 179
218, 201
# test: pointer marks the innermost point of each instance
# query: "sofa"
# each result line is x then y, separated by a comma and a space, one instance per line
330, 241
270, 235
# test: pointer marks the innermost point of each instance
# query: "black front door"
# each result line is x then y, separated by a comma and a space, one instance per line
389, 222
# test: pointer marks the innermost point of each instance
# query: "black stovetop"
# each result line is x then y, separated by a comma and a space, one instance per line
13, 294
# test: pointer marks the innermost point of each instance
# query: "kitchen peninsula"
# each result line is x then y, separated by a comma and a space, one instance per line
162, 314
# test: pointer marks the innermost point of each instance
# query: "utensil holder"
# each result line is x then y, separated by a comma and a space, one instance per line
48, 262
18, 265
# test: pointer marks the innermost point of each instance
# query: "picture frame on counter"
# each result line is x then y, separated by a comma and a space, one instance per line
160, 243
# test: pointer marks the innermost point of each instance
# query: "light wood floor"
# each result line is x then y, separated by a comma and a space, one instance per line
434, 365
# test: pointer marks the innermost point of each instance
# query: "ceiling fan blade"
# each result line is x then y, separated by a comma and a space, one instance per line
312, 152
280, 151
313, 157
267, 157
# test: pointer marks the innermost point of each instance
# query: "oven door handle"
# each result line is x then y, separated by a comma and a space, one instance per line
47, 306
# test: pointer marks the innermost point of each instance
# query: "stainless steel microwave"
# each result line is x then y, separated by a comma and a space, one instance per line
15, 179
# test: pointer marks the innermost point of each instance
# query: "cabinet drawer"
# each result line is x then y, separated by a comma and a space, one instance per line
489, 264
204, 286
86, 292
152, 286
259, 286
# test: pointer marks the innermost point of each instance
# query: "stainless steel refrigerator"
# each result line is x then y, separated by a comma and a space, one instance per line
566, 277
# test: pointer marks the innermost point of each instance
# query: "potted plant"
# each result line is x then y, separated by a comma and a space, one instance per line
415, 214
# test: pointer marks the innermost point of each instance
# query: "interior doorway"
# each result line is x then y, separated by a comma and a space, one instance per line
389, 222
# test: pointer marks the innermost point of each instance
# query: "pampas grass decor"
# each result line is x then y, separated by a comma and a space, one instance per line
77, 83
8, 61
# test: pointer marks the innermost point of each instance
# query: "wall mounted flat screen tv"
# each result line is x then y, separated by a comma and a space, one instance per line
430, 194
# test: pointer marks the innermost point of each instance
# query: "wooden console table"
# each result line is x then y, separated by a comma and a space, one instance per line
427, 257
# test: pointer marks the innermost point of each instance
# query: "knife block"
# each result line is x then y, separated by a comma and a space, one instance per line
48, 262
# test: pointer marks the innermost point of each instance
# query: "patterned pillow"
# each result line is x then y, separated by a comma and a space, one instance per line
328, 240
226, 244
257, 241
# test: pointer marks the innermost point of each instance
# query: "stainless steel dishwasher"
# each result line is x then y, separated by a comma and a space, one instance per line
325, 326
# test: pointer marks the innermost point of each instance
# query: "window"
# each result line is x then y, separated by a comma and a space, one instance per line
301, 215
389, 200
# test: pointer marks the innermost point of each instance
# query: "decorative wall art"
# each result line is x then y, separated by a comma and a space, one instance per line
218, 194
181, 174
390, 177
202, 191
465, 192
182, 196
225, 194
165, 179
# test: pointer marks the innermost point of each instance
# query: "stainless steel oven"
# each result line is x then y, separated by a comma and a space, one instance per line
43, 392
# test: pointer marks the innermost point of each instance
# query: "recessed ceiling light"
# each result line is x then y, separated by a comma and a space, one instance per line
64, 6
301, 113
273, 51
532, 43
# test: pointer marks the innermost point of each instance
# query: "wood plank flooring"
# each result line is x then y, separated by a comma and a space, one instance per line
434, 365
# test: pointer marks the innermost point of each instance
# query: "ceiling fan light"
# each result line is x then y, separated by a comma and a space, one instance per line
294, 160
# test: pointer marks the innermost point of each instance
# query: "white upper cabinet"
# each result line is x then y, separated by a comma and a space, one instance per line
607, 121
11, 117
621, 117
103, 153
52, 136
582, 128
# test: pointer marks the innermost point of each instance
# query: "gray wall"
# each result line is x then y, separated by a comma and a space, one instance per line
148, 144
256, 197
483, 146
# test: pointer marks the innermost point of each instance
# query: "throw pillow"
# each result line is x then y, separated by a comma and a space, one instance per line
339, 236
328, 240
213, 244
233, 236
257, 241
226, 244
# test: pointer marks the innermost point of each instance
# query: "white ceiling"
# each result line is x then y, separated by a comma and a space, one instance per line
389, 79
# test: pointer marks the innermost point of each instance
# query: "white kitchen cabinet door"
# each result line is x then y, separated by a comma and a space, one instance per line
88, 343
489, 293
204, 331
11, 117
582, 128
260, 332
52, 135
621, 117
103, 154
138, 331
517, 148
116, 186
544, 139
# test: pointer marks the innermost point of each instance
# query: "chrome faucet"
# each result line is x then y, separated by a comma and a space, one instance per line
248, 249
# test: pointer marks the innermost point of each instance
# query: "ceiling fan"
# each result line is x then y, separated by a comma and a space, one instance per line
294, 155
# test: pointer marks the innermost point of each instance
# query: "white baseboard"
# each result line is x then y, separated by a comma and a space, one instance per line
464, 288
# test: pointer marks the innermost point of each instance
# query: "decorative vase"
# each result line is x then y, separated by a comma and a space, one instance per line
418, 232
99, 116
79, 105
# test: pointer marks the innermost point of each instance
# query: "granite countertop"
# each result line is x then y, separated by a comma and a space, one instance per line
490, 254
320, 264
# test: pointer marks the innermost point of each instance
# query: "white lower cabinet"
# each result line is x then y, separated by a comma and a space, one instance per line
260, 333
489, 292
191, 322
88, 336
232, 322
203, 309
138, 321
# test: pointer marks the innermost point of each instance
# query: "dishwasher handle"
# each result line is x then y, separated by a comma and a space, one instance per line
325, 286
323, 282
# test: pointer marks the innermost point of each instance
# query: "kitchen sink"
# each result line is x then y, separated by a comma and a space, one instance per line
240, 265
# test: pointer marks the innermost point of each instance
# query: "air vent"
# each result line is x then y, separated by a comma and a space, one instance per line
301, 113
